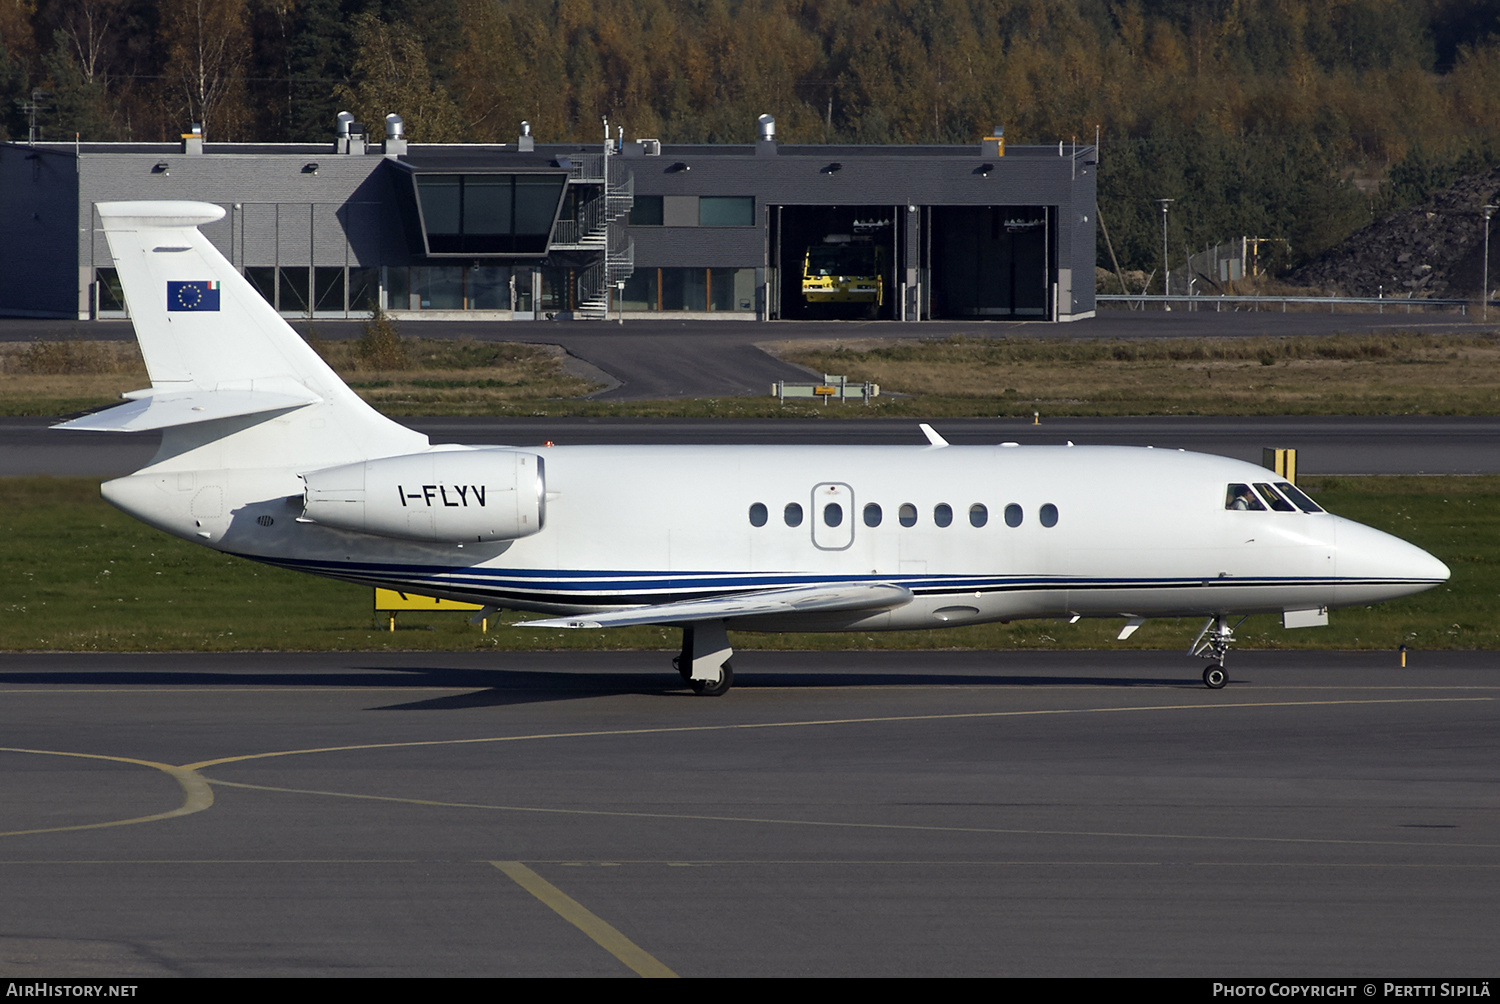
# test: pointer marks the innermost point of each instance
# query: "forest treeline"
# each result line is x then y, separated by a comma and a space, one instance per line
1294, 119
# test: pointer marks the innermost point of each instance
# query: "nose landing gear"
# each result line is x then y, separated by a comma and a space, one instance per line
1213, 643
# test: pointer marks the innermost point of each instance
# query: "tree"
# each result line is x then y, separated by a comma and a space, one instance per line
207, 47
391, 75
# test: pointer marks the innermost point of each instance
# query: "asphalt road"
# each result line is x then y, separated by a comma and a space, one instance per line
874, 814
1330, 446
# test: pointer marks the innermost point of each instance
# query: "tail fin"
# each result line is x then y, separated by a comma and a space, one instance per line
222, 361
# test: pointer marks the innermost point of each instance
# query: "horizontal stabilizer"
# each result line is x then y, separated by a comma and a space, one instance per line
797, 599
164, 410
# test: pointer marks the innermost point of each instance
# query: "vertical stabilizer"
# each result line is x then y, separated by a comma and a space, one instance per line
205, 331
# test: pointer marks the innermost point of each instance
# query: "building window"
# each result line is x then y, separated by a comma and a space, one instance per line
488, 213
292, 289
641, 291
111, 293
684, 289
696, 289
364, 289
446, 287
726, 211
328, 289
488, 288
646, 211
438, 287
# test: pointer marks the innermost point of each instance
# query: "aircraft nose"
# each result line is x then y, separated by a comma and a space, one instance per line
1373, 565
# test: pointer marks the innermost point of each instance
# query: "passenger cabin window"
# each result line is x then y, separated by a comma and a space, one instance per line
1013, 515
792, 514
942, 514
907, 514
1295, 494
978, 514
1272, 499
1048, 514
833, 514
872, 514
758, 514
1242, 498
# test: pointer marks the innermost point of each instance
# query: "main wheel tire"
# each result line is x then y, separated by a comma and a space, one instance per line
1214, 677
716, 688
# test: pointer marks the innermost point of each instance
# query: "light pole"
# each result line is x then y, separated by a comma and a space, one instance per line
1484, 310
1166, 277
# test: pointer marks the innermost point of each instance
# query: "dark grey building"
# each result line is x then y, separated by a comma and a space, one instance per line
524, 230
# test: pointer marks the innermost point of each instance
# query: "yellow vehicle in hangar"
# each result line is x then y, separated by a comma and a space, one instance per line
847, 270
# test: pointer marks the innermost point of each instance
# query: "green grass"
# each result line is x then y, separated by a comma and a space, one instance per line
81, 576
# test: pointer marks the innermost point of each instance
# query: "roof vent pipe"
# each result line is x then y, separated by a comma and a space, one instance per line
345, 119
394, 127
527, 142
767, 129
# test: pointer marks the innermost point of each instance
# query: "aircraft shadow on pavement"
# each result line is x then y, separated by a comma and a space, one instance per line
499, 687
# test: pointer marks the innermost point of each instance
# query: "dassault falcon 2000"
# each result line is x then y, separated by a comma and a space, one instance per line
267, 454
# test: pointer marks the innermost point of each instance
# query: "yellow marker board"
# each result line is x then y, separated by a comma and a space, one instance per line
391, 599
388, 601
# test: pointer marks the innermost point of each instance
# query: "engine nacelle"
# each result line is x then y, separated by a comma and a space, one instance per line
448, 496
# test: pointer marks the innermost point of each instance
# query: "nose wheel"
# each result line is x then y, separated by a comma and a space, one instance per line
1213, 643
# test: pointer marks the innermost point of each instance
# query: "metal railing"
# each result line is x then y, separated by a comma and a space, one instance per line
1255, 303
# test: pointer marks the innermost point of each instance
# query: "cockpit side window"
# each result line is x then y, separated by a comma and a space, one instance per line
1296, 495
1272, 499
1242, 498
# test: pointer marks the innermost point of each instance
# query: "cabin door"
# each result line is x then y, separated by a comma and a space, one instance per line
832, 516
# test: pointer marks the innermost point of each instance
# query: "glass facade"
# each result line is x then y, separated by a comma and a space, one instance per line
701, 290
447, 287
488, 214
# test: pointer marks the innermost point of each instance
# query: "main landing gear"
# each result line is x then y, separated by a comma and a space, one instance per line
704, 661
1213, 643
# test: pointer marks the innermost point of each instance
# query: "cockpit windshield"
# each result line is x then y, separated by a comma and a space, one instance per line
1283, 497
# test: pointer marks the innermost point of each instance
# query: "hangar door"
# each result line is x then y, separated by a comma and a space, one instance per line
989, 262
837, 262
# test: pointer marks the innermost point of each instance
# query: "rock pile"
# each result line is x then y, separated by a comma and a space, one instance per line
1432, 250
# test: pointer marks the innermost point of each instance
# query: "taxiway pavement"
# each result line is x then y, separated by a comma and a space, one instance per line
837, 814
1325, 445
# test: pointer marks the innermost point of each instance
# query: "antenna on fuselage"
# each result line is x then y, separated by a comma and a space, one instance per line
932, 435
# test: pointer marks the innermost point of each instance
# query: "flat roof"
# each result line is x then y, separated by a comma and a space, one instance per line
485, 151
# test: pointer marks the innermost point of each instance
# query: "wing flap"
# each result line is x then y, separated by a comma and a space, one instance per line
797, 599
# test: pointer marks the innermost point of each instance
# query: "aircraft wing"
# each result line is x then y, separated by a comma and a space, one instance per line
796, 599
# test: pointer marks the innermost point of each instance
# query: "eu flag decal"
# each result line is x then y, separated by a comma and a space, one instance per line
192, 296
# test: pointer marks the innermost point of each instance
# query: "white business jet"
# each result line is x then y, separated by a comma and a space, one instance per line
267, 454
